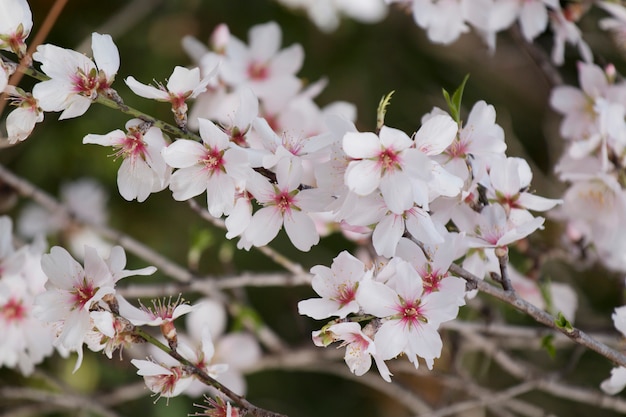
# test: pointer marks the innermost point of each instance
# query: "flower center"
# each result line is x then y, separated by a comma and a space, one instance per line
258, 71
13, 310
388, 159
213, 160
82, 293
284, 201
345, 294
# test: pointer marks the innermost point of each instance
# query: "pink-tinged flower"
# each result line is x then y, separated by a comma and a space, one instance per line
110, 332
337, 286
510, 180
493, 227
217, 408
16, 21
262, 66
143, 170
161, 313
392, 227
432, 262
479, 138
387, 161
579, 105
410, 316
213, 166
165, 381
182, 85
360, 348
74, 79
21, 121
283, 204
71, 292
26, 340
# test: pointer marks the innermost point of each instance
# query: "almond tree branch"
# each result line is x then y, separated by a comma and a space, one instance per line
539, 315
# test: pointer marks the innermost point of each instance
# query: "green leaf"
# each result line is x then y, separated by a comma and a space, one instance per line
454, 102
547, 342
382, 110
245, 318
562, 323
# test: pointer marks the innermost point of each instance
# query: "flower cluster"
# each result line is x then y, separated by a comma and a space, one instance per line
593, 162
267, 158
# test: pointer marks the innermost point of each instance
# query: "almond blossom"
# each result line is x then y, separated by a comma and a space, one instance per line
21, 121
337, 286
75, 80
72, 292
387, 161
283, 205
410, 316
166, 381
360, 348
262, 66
143, 170
182, 85
214, 166
16, 22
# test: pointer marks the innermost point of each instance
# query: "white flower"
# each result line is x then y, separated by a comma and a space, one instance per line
337, 286
213, 166
268, 71
16, 21
410, 316
143, 170
161, 379
71, 292
21, 121
74, 79
283, 204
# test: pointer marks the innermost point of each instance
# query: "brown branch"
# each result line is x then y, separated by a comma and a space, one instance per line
540, 316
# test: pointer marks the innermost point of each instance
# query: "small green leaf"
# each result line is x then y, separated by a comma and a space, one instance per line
201, 240
454, 102
562, 323
382, 110
547, 343
245, 318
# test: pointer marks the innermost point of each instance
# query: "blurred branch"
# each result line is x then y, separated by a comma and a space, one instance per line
325, 362
26, 189
546, 383
62, 400
122, 21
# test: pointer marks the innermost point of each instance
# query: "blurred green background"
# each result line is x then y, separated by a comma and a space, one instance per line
362, 63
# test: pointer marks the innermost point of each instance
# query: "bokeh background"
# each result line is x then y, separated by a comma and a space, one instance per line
362, 63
